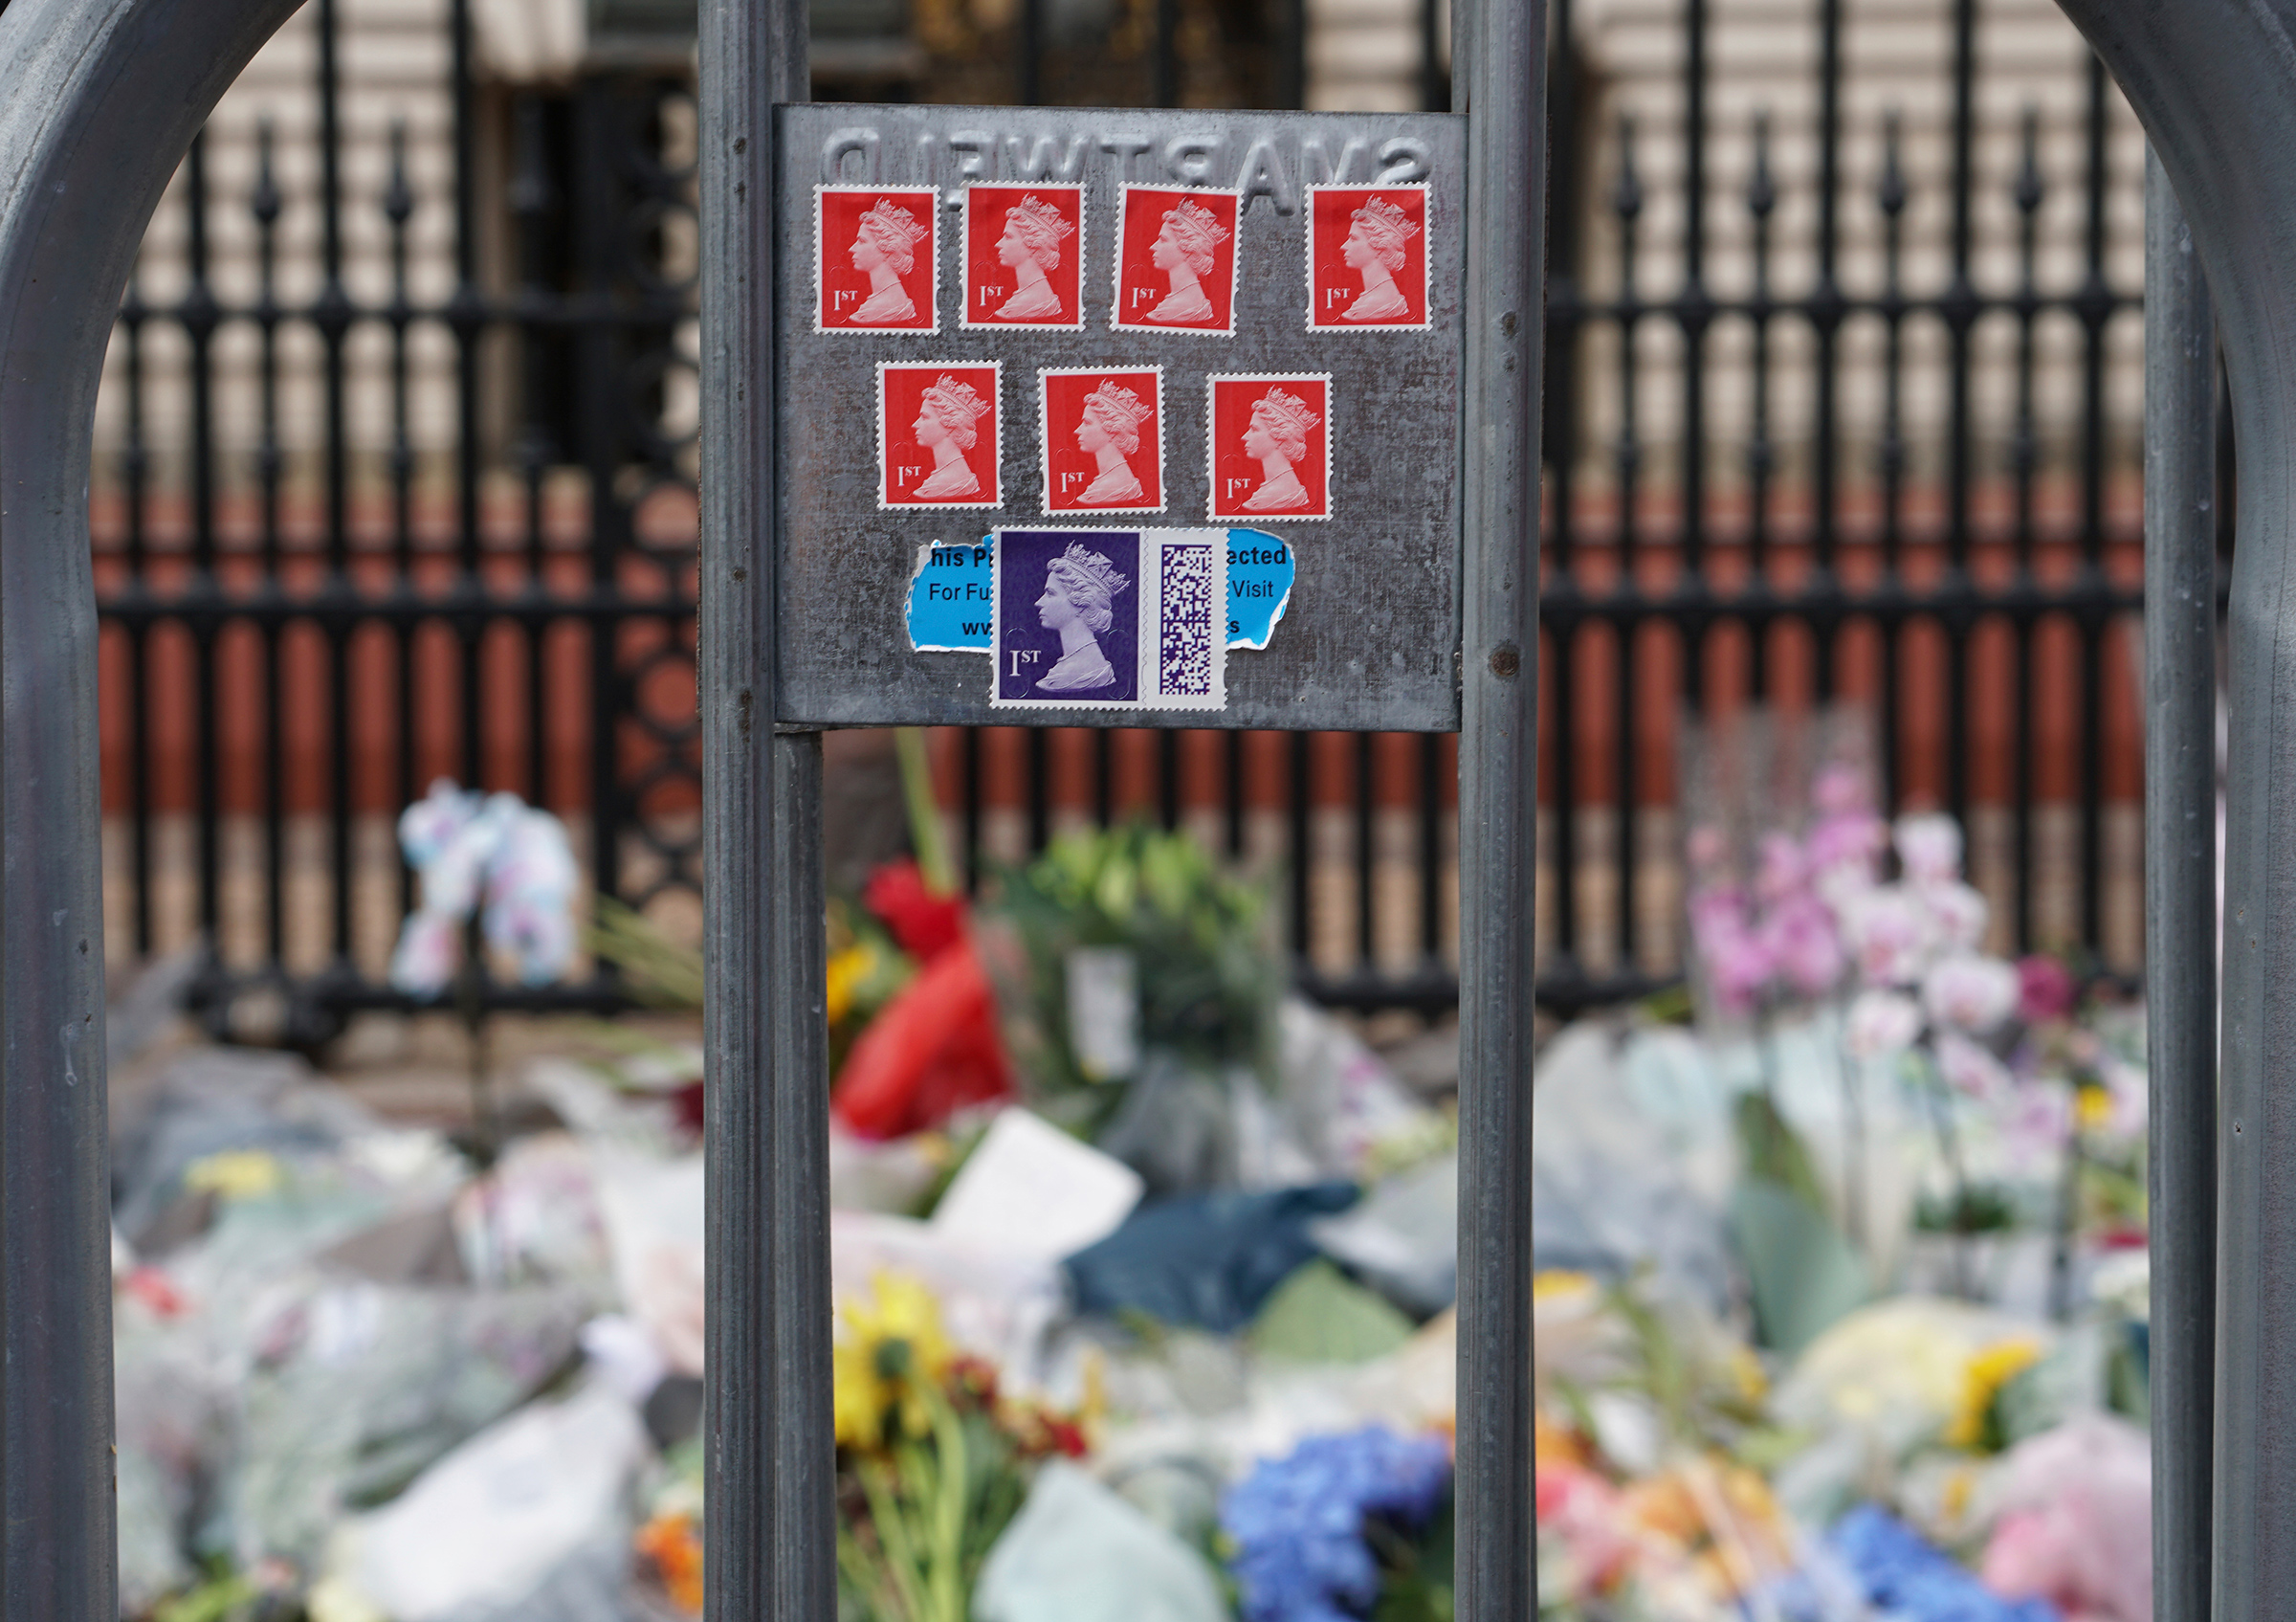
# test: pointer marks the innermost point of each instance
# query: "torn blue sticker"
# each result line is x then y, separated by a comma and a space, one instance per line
950, 596
950, 592
1259, 586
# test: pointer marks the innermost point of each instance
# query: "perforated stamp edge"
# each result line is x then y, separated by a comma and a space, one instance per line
932, 282
1211, 447
997, 412
964, 240
1235, 263
1426, 216
1043, 450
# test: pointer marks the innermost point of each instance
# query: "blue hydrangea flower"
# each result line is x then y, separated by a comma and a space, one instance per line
1297, 1522
1899, 1574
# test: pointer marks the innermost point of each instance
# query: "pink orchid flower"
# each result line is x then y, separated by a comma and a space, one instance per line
1971, 1069
1888, 932
1840, 787
1799, 936
1783, 869
1970, 992
1881, 1023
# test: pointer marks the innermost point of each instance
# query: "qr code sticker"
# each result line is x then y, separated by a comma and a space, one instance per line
1186, 622
1109, 619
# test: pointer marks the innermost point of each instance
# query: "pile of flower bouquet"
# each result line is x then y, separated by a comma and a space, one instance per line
932, 1463
1923, 1461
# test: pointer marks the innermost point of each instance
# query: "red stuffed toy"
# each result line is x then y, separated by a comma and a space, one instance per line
934, 1049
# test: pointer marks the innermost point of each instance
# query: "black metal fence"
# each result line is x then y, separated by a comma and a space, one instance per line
1960, 560
312, 644
295, 645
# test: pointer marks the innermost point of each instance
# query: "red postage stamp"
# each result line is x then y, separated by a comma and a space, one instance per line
1103, 439
1367, 259
1270, 446
1176, 261
938, 438
1023, 255
876, 259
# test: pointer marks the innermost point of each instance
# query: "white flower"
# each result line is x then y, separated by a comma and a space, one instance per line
1970, 992
1930, 846
2036, 1122
2128, 1086
1879, 1023
1970, 1068
1843, 885
1888, 931
2125, 1280
1957, 912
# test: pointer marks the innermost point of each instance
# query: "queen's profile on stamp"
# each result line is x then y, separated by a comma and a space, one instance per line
1277, 435
947, 425
1185, 250
1031, 248
1377, 242
885, 250
1109, 430
1079, 599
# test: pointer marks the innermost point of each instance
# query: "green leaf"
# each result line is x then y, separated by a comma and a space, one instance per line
1318, 1315
1417, 1571
658, 970
1772, 1152
1803, 1272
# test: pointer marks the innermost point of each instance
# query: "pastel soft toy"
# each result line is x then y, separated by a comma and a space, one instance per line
474, 851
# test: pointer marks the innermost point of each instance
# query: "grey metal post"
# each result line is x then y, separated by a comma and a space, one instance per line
98, 100
2180, 892
772, 1531
2215, 83
1501, 55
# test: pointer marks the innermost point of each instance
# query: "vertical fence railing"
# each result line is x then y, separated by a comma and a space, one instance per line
2182, 929
103, 100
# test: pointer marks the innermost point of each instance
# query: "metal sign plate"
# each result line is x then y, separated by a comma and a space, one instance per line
1369, 636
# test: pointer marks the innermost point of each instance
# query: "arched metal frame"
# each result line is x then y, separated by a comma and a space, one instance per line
98, 101
2215, 83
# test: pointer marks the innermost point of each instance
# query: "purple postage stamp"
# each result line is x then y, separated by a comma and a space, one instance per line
1110, 619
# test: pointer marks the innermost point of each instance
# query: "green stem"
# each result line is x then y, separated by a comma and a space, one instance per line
947, 1575
888, 1515
2068, 1220
1949, 1142
864, 1573
1853, 1139
925, 835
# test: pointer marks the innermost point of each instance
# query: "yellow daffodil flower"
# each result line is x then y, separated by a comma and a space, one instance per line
848, 970
1987, 1372
890, 1348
